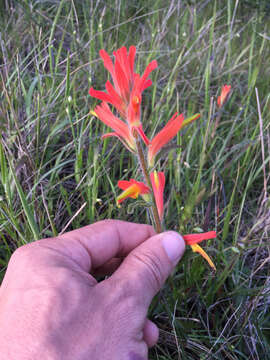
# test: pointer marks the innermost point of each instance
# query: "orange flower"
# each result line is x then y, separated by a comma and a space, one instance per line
194, 239
122, 73
125, 93
122, 131
166, 134
132, 189
158, 184
224, 95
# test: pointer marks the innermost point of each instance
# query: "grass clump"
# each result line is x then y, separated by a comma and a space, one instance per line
57, 175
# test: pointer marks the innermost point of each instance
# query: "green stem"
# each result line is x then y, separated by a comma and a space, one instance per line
144, 168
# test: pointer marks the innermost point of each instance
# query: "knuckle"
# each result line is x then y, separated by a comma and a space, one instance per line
21, 254
29, 255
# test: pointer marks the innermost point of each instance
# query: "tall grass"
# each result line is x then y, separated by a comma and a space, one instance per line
57, 175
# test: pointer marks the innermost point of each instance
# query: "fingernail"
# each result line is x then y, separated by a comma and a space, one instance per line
174, 246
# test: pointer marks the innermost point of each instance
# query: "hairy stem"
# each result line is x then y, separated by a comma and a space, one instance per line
144, 168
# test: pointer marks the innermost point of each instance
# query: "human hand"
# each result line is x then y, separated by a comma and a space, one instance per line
52, 308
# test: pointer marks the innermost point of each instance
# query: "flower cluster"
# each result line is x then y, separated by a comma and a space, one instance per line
125, 95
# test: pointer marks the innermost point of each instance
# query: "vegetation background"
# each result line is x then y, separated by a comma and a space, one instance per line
56, 174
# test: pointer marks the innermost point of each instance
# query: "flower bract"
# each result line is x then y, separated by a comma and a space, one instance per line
224, 94
158, 184
125, 93
121, 130
194, 239
167, 134
132, 189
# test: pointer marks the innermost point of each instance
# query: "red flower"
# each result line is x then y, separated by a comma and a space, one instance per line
194, 239
122, 131
167, 133
191, 239
224, 94
158, 184
132, 189
125, 93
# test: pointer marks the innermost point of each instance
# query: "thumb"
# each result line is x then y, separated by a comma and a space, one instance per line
147, 267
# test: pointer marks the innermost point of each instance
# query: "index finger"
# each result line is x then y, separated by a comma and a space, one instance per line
94, 245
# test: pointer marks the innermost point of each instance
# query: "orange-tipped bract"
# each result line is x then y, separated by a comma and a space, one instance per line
167, 134
194, 239
224, 95
132, 189
158, 184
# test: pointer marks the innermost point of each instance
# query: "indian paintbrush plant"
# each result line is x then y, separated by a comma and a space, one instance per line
124, 94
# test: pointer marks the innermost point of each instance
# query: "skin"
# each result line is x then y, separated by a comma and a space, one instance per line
52, 307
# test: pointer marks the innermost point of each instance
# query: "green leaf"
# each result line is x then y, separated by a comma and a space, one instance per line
28, 212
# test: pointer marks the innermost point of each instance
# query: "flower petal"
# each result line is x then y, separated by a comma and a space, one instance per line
150, 67
124, 184
116, 100
146, 84
122, 80
103, 112
132, 192
191, 239
198, 249
126, 91
132, 188
190, 119
164, 136
131, 58
108, 64
101, 95
224, 94
134, 111
158, 184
